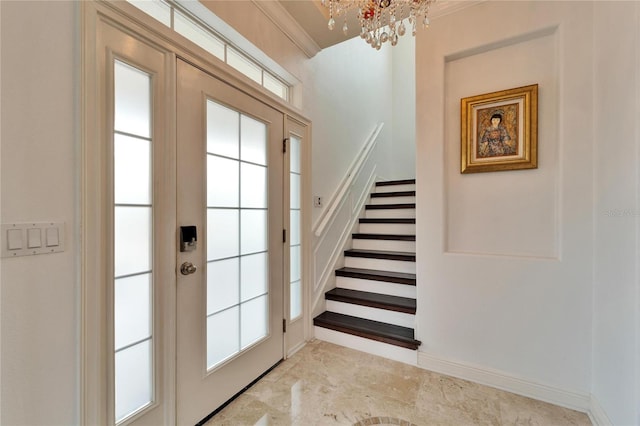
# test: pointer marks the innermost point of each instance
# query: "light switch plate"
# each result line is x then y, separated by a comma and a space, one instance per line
52, 236
34, 238
34, 234
15, 240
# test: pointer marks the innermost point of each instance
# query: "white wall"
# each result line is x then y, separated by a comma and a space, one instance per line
40, 181
504, 258
616, 345
347, 95
403, 142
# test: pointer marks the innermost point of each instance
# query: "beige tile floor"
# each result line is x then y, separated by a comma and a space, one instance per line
325, 384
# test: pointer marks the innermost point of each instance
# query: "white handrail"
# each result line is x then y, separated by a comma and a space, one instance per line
353, 171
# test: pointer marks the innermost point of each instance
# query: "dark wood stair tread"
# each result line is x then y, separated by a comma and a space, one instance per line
372, 300
397, 182
392, 237
402, 220
374, 330
390, 206
381, 254
375, 275
393, 194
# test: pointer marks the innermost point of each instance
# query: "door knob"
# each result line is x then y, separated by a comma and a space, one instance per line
188, 268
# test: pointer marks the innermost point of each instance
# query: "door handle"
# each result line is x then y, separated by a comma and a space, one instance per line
188, 268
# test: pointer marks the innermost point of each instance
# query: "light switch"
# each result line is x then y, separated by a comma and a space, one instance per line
53, 240
34, 238
30, 238
14, 239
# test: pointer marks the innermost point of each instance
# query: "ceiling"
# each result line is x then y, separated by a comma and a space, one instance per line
312, 18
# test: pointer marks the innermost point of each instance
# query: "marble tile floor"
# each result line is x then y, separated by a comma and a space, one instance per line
325, 384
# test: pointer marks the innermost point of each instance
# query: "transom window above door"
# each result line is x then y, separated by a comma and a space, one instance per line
185, 24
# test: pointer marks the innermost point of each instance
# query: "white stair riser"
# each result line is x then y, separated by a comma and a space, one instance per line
382, 287
388, 245
392, 200
390, 317
391, 214
380, 264
395, 188
373, 347
387, 228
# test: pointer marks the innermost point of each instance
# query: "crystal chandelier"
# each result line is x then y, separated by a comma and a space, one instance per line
375, 15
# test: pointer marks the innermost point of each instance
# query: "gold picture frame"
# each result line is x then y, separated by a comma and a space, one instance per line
499, 130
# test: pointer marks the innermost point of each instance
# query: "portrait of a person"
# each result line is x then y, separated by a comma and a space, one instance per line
495, 140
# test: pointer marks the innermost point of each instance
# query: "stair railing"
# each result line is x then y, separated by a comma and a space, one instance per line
334, 227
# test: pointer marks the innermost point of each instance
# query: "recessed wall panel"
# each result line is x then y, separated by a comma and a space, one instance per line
511, 213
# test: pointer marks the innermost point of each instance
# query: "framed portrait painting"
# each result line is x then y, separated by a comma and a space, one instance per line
499, 130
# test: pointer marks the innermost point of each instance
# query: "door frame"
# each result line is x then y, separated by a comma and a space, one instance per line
95, 328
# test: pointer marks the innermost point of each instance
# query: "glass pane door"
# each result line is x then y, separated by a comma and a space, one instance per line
230, 174
237, 233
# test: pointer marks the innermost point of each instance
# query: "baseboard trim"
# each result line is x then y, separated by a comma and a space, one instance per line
296, 348
500, 380
597, 415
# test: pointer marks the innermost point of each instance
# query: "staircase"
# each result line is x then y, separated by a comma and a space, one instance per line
373, 306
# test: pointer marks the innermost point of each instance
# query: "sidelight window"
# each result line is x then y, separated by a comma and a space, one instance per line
133, 218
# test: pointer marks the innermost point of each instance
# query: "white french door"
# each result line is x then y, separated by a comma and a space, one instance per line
186, 200
230, 285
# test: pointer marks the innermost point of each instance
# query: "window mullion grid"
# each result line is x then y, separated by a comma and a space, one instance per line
239, 224
207, 27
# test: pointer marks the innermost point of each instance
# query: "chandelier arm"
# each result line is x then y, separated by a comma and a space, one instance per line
374, 15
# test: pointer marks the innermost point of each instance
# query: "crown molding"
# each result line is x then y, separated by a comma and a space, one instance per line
289, 26
447, 7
